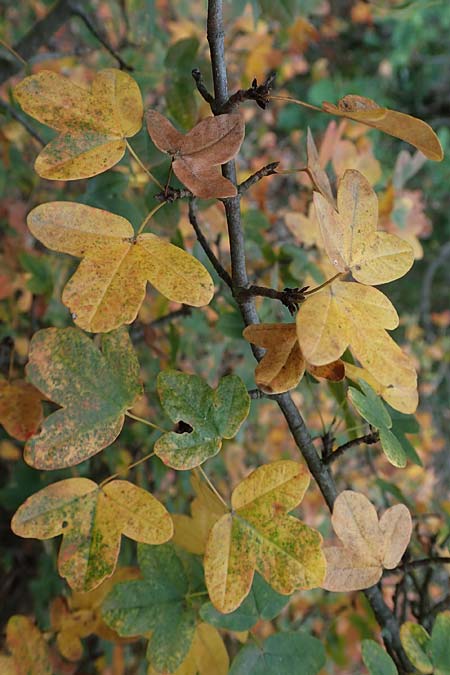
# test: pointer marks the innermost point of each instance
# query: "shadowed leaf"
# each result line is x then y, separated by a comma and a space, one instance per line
20, 409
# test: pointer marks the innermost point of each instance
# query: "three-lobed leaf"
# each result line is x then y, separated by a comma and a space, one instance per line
259, 535
109, 285
95, 388
197, 155
369, 544
92, 125
212, 414
157, 603
92, 519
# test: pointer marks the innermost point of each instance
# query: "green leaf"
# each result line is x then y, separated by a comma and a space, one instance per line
405, 424
94, 388
41, 280
181, 54
392, 448
440, 644
377, 661
281, 654
416, 643
212, 414
370, 406
157, 603
261, 603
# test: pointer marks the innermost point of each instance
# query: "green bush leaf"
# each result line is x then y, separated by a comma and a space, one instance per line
392, 448
440, 644
94, 388
157, 603
370, 406
377, 661
281, 654
261, 603
212, 414
416, 643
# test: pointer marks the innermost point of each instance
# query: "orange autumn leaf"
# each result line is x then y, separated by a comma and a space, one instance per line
21, 411
410, 129
369, 544
350, 234
283, 365
92, 519
109, 285
92, 125
259, 535
197, 155
30, 654
191, 532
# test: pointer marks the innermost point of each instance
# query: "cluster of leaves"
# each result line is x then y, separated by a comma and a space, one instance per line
255, 552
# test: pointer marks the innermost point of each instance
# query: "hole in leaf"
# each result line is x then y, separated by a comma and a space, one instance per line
183, 428
64, 524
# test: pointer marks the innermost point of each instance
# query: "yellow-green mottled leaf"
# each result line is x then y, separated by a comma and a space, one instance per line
376, 659
109, 285
92, 124
157, 604
440, 644
30, 653
213, 414
94, 388
260, 535
92, 519
417, 645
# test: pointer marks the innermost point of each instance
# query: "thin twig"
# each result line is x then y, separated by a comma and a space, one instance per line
91, 24
185, 310
221, 271
368, 439
290, 297
143, 167
171, 194
267, 170
424, 562
19, 117
203, 91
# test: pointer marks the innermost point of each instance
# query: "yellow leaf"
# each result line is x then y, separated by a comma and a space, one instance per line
401, 397
191, 533
258, 534
207, 655
350, 234
93, 125
305, 228
369, 544
283, 364
30, 653
92, 519
109, 286
197, 156
316, 172
408, 128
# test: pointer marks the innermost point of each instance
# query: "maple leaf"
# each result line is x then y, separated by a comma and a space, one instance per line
258, 534
351, 239
369, 544
20, 408
407, 128
283, 365
29, 651
91, 519
92, 125
158, 603
191, 532
212, 414
109, 286
197, 155
207, 654
94, 388
345, 314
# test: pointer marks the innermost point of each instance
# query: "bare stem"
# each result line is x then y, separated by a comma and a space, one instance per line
267, 170
221, 271
325, 283
127, 468
368, 439
288, 99
149, 216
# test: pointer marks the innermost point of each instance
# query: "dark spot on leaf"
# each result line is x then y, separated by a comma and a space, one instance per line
64, 524
183, 428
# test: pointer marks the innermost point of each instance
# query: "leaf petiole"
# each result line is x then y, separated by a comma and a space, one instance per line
213, 488
325, 283
149, 216
149, 424
127, 468
294, 100
143, 167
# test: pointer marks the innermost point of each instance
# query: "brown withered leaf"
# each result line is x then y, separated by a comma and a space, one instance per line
283, 365
197, 155
369, 544
315, 171
410, 129
21, 411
